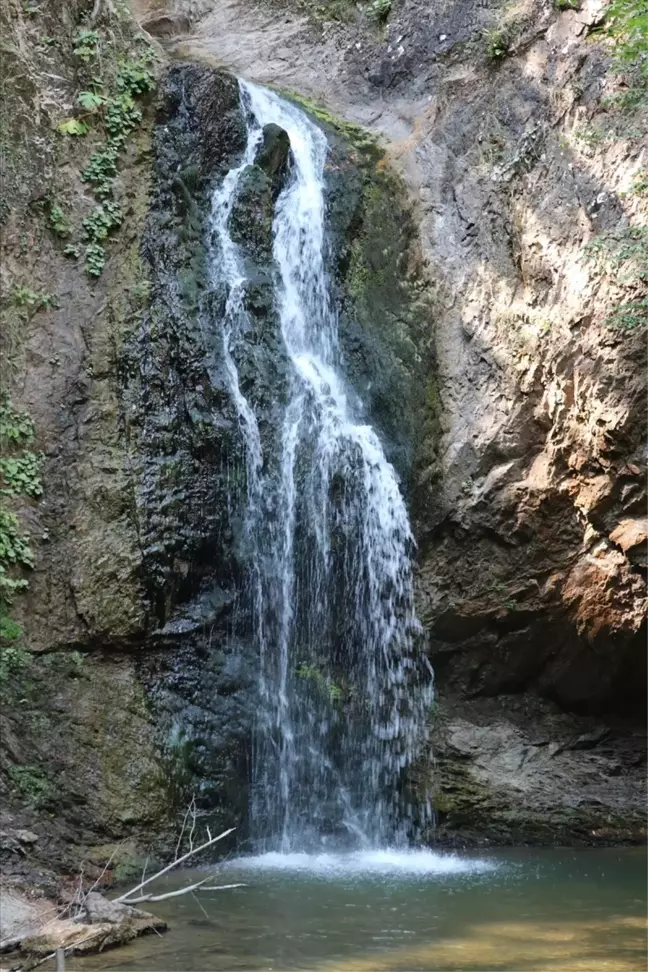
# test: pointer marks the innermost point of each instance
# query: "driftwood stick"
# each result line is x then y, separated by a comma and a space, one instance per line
123, 899
223, 887
168, 894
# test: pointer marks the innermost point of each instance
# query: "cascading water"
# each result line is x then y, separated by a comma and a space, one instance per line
344, 686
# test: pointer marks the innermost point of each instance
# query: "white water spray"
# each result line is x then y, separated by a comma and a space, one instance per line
344, 686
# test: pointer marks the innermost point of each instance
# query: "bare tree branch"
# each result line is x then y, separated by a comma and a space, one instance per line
167, 894
222, 887
123, 899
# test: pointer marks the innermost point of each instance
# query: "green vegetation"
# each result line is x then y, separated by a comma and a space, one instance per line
116, 71
58, 221
639, 185
626, 23
624, 250
30, 300
322, 683
86, 44
19, 476
567, 4
73, 126
380, 10
497, 43
32, 784
629, 315
624, 253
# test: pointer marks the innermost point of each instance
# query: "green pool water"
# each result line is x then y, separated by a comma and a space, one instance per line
509, 910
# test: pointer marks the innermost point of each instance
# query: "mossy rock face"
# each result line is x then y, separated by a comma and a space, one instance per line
386, 316
160, 701
184, 428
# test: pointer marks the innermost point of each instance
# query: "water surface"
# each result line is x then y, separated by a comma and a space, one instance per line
383, 910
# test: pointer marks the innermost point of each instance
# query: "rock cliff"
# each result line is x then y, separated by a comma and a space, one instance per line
130, 681
490, 321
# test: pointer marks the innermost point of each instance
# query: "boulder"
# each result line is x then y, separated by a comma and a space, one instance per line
274, 155
103, 924
632, 536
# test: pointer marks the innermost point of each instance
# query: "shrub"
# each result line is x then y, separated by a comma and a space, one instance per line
380, 10
497, 43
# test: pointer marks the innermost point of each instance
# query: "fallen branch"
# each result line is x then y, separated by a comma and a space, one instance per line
223, 887
190, 887
167, 894
124, 898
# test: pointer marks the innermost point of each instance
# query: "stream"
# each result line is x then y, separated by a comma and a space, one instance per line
514, 909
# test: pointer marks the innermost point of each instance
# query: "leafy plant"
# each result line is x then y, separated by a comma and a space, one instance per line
73, 126
629, 315
14, 546
95, 259
639, 185
86, 44
627, 23
15, 427
90, 100
380, 10
32, 784
24, 297
121, 117
591, 135
58, 221
101, 170
567, 4
102, 220
323, 684
19, 475
497, 44
625, 250
136, 79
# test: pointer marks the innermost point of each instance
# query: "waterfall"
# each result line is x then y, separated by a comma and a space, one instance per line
344, 686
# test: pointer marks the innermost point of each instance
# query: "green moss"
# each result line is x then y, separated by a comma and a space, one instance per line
497, 43
19, 477
124, 862
322, 683
390, 301
32, 784
364, 142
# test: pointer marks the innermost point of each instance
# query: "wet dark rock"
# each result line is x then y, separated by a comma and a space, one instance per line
183, 427
273, 156
251, 219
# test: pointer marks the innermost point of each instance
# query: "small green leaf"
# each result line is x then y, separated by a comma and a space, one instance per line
72, 126
89, 100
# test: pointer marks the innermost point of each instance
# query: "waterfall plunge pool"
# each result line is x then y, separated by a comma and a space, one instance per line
513, 909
